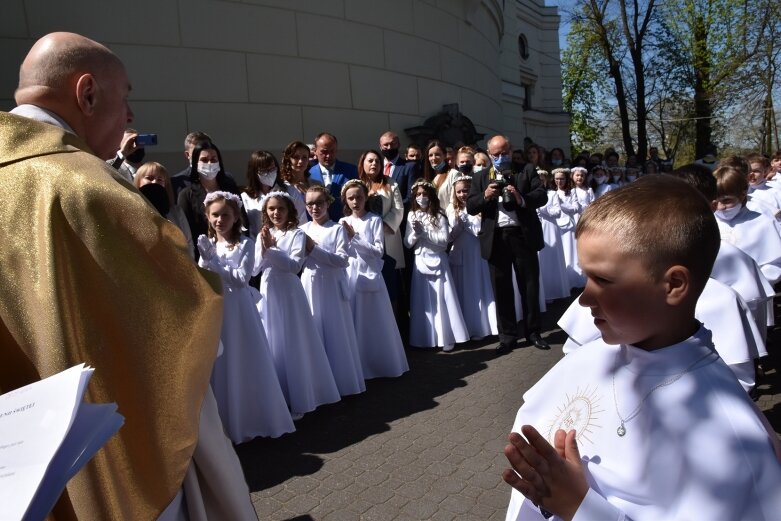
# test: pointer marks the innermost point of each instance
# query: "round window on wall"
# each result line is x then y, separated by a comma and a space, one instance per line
523, 46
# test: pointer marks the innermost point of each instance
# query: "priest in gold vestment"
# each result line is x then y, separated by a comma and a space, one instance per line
91, 273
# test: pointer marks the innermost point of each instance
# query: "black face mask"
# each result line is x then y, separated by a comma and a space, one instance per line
465, 168
158, 196
389, 153
517, 166
137, 156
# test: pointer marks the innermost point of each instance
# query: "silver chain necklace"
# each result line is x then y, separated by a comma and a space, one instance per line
621, 431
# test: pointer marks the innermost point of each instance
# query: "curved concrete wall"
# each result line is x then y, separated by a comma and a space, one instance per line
260, 73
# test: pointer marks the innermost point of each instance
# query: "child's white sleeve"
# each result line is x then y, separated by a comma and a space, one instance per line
438, 236
410, 237
594, 507
372, 243
337, 259
291, 260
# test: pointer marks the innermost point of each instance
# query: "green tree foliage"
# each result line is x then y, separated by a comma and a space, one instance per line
584, 87
681, 72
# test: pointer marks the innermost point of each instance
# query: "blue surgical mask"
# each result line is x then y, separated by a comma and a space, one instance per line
440, 167
500, 162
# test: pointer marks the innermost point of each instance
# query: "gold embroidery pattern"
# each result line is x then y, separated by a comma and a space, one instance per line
580, 412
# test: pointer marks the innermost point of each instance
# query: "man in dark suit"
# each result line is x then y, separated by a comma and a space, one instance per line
404, 173
510, 238
396, 167
331, 172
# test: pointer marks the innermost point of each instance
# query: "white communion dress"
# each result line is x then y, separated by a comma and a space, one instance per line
435, 313
299, 356
249, 398
325, 282
379, 342
471, 275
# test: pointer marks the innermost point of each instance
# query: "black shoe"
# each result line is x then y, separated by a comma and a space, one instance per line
504, 347
538, 341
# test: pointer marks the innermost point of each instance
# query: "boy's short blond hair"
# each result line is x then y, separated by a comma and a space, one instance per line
662, 221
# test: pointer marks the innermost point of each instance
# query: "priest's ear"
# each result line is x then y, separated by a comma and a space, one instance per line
86, 93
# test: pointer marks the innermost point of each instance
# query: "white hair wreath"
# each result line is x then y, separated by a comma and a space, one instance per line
276, 193
351, 183
211, 196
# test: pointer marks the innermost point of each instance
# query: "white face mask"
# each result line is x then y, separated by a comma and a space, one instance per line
422, 201
478, 169
600, 180
555, 162
268, 178
728, 213
209, 170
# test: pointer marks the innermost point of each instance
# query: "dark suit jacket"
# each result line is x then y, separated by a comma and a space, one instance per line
534, 195
342, 172
404, 173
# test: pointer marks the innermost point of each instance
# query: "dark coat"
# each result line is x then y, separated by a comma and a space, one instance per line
528, 184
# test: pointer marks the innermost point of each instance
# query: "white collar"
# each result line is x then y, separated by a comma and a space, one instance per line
37, 113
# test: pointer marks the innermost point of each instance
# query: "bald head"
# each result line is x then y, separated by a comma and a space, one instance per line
57, 58
81, 81
498, 145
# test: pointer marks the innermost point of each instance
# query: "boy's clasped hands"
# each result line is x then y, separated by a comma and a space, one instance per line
552, 477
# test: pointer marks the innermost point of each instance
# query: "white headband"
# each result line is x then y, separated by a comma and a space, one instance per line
212, 196
351, 183
423, 182
277, 193
462, 177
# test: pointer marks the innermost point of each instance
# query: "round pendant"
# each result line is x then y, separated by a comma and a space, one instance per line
621, 430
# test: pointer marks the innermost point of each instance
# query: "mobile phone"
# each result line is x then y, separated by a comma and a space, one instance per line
145, 140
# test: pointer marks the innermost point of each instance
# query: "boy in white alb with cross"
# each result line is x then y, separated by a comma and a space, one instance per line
646, 423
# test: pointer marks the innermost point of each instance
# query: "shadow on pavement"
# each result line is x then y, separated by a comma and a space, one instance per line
330, 428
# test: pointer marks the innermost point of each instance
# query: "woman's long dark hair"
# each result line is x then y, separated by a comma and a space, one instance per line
428, 172
195, 177
261, 160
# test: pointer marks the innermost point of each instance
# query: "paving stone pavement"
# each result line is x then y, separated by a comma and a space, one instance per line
425, 446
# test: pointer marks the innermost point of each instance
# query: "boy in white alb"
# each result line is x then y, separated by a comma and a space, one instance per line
647, 423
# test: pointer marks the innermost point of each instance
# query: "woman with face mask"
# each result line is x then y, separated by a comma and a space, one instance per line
437, 171
207, 174
262, 177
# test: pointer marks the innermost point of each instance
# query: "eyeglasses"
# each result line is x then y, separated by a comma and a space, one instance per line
312, 204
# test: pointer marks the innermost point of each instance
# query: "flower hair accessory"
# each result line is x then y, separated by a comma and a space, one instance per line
462, 177
212, 196
560, 171
581, 169
276, 193
353, 182
542, 171
423, 182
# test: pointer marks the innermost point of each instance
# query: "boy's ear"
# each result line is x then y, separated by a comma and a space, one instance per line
677, 284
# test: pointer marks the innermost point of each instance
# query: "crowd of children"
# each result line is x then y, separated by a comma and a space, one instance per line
324, 320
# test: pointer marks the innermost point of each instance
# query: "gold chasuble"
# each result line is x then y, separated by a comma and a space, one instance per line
90, 272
